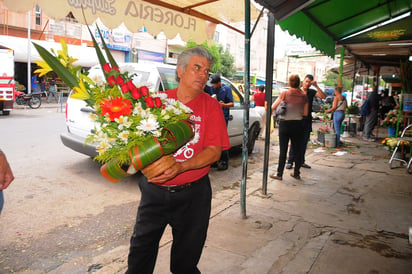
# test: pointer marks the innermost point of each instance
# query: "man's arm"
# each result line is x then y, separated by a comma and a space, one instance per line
319, 93
207, 156
228, 103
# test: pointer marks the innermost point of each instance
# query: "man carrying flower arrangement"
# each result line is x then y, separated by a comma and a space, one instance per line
137, 129
181, 196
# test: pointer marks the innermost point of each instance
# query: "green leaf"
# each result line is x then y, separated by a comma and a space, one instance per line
109, 55
57, 67
99, 53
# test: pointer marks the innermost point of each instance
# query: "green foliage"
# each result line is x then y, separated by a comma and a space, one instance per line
228, 60
224, 61
332, 80
353, 109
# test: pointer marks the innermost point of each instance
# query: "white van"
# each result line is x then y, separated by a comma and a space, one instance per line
155, 76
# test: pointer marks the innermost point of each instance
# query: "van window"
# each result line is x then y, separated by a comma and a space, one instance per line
168, 77
139, 78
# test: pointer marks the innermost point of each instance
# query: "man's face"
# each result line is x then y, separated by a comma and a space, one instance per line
306, 83
196, 75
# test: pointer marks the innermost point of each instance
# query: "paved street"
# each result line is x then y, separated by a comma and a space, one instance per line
350, 213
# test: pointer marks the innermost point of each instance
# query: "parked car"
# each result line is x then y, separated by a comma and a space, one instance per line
317, 104
155, 76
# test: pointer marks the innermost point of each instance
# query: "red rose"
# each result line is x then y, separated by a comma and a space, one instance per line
144, 91
124, 88
149, 101
130, 85
135, 93
111, 80
119, 80
116, 69
106, 67
158, 102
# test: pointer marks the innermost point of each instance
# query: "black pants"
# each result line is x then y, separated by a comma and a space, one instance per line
307, 128
224, 157
187, 212
293, 131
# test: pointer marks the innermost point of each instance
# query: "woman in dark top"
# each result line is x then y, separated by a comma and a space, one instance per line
291, 126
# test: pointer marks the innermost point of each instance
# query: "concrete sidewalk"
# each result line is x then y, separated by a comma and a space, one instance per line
350, 213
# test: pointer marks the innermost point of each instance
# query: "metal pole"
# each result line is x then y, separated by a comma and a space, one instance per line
353, 80
270, 46
28, 53
245, 111
342, 56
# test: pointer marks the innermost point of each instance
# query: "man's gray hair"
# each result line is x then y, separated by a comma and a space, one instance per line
184, 58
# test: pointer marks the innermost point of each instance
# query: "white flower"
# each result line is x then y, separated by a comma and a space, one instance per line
185, 108
170, 101
137, 108
148, 125
161, 95
107, 118
93, 116
177, 111
103, 146
123, 122
124, 136
164, 114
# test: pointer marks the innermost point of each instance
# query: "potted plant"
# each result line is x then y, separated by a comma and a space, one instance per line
390, 121
353, 109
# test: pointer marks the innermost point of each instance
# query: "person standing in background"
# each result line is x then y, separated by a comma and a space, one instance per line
260, 106
53, 90
371, 119
43, 87
35, 87
307, 120
6, 176
291, 126
224, 96
338, 108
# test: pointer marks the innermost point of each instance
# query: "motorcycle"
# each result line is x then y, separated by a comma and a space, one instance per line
32, 100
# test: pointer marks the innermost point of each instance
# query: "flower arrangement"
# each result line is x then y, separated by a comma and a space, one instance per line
391, 118
134, 126
391, 143
322, 115
325, 129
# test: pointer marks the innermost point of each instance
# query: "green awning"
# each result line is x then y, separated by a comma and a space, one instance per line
324, 23
304, 28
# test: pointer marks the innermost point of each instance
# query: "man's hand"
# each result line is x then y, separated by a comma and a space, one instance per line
207, 156
169, 174
6, 175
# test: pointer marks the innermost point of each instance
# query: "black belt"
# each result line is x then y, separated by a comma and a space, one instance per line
177, 188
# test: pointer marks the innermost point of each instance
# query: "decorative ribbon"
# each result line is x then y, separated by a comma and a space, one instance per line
142, 155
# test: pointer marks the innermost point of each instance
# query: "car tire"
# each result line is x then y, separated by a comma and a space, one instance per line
6, 112
253, 135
